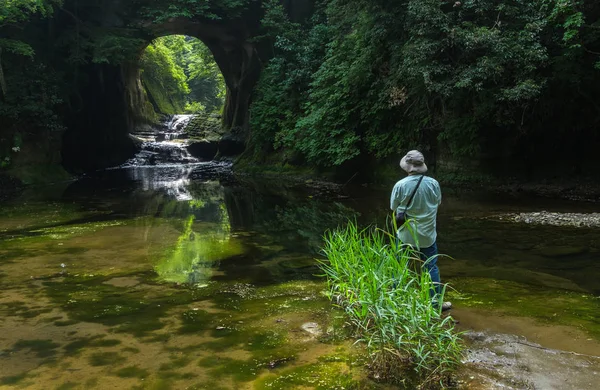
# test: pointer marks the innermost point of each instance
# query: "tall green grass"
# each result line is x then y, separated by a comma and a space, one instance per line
387, 300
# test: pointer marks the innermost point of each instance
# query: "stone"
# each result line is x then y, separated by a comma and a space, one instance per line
312, 328
204, 150
231, 145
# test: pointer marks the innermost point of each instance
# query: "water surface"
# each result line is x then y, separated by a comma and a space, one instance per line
175, 277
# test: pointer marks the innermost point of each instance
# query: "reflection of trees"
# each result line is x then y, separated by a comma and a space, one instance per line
292, 216
312, 219
197, 252
204, 232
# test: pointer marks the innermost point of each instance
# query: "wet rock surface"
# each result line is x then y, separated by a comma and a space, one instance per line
204, 149
553, 218
231, 145
512, 362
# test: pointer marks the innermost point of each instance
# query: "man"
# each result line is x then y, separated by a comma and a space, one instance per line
421, 214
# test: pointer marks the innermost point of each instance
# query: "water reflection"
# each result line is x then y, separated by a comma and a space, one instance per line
117, 306
172, 180
204, 238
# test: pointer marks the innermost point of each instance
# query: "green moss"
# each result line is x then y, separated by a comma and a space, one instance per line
89, 299
162, 102
155, 384
547, 305
40, 174
76, 346
205, 126
105, 343
176, 362
268, 351
65, 323
172, 375
194, 321
22, 310
208, 385
266, 340
320, 376
13, 379
130, 350
42, 348
159, 338
132, 372
67, 386
105, 359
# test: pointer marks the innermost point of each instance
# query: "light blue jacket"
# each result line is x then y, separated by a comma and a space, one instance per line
422, 212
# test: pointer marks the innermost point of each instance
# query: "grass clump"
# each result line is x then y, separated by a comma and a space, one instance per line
387, 300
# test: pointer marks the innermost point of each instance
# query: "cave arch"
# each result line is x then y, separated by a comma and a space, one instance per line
108, 105
236, 55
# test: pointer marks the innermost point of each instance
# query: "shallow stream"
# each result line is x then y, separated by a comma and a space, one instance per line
191, 278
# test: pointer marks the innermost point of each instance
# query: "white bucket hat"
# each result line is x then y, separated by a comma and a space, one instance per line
413, 162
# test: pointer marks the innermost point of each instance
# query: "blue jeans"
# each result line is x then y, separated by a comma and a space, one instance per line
429, 256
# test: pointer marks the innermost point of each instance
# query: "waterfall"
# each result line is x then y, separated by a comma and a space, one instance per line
164, 162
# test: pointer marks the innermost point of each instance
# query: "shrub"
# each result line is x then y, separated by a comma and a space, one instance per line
387, 300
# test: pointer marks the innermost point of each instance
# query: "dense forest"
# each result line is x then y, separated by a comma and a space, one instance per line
180, 76
506, 88
484, 79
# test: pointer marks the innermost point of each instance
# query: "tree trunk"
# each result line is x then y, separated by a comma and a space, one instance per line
3, 90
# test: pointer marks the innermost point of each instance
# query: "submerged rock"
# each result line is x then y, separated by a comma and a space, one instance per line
204, 149
312, 328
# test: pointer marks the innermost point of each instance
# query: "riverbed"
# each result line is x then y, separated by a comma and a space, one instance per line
196, 278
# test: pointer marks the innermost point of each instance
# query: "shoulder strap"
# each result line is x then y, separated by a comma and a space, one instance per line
413, 193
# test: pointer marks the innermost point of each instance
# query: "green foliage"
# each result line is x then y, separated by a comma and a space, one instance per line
164, 78
377, 77
159, 10
181, 75
19, 11
387, 299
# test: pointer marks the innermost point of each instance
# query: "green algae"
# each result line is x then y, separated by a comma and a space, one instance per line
319, 376
208, 385
105, 359
249, 369
74, 347
89, 299
268, 349
65, 322
105, 343
13, 379
561, 307
41, 348
67, 386
23, 310
63, 232
173, 375
132, 372
175, 363
194, 321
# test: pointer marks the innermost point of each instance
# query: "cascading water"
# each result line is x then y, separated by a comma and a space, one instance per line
164, 162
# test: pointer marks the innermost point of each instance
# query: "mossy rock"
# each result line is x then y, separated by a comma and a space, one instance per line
205, 127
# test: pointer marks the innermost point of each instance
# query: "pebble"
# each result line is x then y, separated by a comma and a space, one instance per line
553, 218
